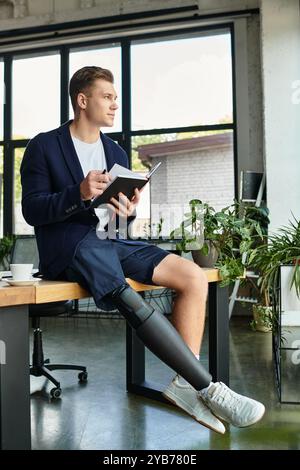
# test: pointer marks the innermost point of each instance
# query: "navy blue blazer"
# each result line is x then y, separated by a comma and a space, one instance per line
51, 175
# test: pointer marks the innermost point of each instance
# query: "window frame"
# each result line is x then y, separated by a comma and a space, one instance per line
124, 136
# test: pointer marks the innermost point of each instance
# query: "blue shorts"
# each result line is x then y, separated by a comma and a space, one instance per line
102, 265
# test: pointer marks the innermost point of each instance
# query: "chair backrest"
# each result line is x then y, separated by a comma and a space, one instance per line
25, 250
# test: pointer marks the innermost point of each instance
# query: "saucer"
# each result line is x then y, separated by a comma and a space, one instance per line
26, 282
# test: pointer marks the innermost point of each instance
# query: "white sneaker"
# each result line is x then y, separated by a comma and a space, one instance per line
187, 398
228, 405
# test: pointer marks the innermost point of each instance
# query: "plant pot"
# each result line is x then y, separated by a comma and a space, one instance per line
206, 261
262, 318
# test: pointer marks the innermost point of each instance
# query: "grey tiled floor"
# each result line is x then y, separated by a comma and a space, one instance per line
102, 415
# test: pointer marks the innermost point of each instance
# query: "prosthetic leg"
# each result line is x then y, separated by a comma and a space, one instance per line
159, 335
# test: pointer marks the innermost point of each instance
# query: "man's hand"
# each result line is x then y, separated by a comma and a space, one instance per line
93, 184
125, 207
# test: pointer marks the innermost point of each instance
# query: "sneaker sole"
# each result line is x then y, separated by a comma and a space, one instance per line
183, 405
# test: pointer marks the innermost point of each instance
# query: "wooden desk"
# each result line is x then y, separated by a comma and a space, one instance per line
14, 349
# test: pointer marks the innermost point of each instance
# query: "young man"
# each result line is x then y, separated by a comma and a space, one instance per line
62, 170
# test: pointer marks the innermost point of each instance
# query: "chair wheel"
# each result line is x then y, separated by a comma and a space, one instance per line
82, 376
55, 392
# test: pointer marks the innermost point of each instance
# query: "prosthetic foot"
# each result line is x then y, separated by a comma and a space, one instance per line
159, 335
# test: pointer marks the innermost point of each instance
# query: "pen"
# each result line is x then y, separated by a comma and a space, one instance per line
102, 173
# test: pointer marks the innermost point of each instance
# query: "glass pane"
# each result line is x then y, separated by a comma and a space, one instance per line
290, 360
195, 165
1, 98
1, 192
19, 225
183, 82
141, 226
36, 95
107, 58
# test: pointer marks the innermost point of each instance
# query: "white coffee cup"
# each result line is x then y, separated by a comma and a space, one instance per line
21, 272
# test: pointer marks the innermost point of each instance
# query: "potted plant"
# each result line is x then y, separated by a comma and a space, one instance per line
6, 244
190, 231
282, 248
243, 227
222, 239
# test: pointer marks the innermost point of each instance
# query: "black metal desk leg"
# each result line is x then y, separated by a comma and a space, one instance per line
219, 332
14, 379
135, 363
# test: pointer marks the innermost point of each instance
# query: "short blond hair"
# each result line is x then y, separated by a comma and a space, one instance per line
83, 80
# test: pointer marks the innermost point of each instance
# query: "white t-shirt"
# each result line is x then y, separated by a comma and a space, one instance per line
92, 157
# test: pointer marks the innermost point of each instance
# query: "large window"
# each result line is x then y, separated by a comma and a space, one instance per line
179, 87
177, 108
107, 58
183, 82
35, 95
198, 167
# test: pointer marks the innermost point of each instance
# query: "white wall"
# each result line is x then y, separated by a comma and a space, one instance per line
248, 94
280, 43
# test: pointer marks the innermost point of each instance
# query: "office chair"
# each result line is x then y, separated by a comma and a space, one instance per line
25, 251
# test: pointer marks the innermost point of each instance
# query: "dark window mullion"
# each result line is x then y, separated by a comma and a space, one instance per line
126, 99
173, 130
7, 97
20, 143
235, 148
8, 157
64, 84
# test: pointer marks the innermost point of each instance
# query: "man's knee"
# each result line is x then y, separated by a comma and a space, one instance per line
195, 279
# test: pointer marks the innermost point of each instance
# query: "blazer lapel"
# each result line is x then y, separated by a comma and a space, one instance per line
69, 152
110, 160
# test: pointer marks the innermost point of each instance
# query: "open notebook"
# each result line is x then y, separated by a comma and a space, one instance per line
123, 180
